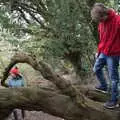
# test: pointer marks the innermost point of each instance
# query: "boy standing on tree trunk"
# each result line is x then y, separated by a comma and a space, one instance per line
108, 50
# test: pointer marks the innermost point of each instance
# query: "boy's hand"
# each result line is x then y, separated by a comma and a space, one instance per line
96, 55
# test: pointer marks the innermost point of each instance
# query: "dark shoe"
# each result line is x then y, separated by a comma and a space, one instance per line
111, 105
101, 89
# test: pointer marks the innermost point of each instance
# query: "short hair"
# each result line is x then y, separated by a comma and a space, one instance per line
104, 8
100, 5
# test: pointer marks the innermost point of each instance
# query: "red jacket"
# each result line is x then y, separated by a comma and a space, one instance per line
109, 33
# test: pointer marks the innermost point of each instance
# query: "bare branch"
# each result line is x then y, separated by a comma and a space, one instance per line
23, 16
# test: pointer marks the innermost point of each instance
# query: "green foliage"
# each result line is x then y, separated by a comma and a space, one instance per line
70, 26
64, 31
71, 35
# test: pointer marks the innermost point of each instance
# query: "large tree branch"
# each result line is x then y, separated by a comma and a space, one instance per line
52, 103
59, 104
64, 85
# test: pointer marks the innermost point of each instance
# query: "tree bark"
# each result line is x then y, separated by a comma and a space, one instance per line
65, 86
75, 59
70, 103
52, 103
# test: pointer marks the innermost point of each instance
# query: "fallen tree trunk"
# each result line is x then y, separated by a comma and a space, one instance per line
64, 86
52, 103
69, 103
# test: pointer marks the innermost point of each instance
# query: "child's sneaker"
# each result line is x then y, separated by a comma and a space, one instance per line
111, 105
101, 89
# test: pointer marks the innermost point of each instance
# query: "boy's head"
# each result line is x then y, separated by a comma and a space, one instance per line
99, 12
14, 72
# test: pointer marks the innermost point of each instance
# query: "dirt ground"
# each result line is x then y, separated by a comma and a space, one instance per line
33, 115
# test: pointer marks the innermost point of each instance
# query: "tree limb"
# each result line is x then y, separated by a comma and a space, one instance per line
64, 85
52, 103
55, 103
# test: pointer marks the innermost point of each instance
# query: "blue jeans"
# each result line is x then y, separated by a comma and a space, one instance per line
112, 63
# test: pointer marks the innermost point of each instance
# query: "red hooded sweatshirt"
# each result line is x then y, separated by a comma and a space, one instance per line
109, 33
